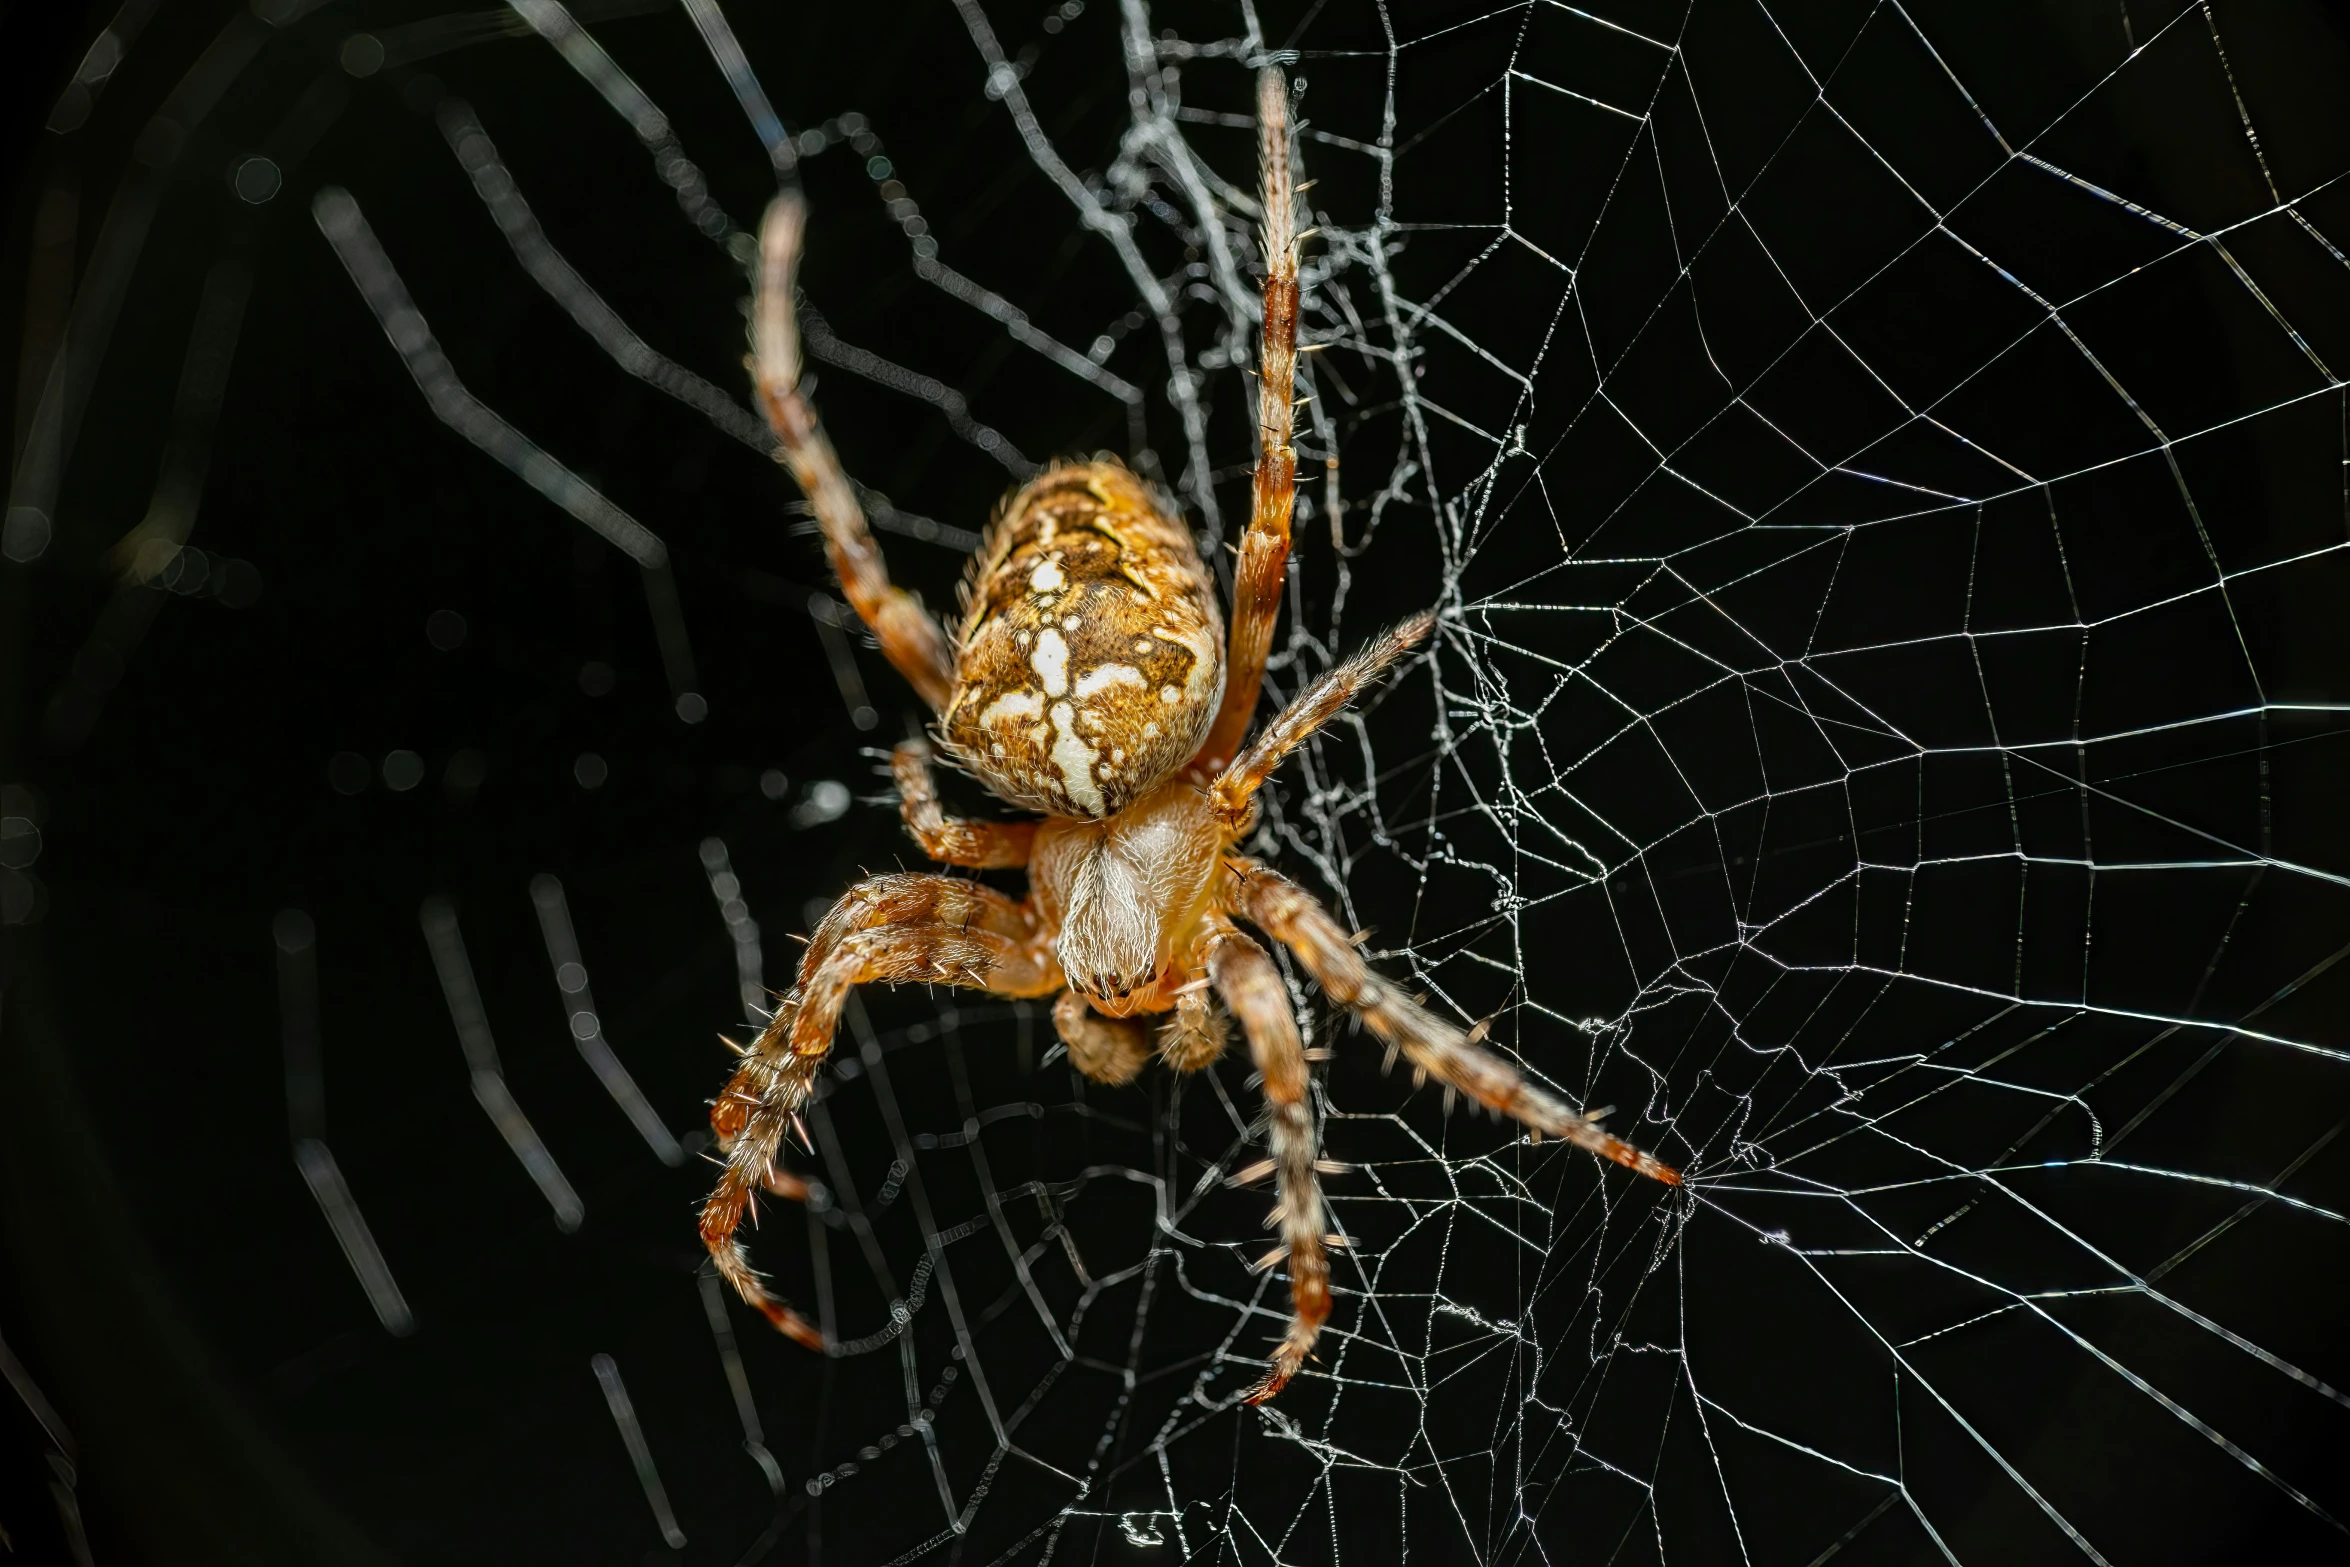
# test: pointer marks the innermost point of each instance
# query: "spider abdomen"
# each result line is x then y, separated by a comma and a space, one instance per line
1090, 661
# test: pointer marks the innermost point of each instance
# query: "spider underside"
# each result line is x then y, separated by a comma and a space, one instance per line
1091, 681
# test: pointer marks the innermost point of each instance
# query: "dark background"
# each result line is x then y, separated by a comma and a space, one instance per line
168, 1282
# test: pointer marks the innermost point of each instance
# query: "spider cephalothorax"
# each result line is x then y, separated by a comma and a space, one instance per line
1091, 681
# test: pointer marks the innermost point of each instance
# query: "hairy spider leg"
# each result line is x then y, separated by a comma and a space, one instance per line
1289, 914
952, 840
1244, 976
1251, 987
1264, 549
899, 929
910, 639
1322, 701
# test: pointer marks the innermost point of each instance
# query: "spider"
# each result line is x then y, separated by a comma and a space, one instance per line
1090, 682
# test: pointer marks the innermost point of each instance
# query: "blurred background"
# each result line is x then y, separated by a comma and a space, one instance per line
1930, 839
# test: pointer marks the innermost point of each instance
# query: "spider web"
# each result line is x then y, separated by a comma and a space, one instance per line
1882, 469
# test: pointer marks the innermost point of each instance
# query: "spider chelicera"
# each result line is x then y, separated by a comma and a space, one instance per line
1090, 682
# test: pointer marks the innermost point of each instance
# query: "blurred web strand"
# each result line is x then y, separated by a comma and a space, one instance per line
584, 55
148, 549
449, 960
99, 63
587, 1029
735, 66
495, 184
750, 962
728, 55
297, 990
834, 621
362, 255
62, 1455
72, 373
640, 1455
355, 244
70, 377
738, 1380
630, 102
152, 556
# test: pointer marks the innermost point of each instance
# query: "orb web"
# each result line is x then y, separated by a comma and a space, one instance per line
1880, 474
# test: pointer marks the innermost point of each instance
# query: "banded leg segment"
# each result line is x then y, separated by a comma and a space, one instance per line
903, 929
910, 639
1251, 986
1264, 550
1289, 914
1324, 700
978, 845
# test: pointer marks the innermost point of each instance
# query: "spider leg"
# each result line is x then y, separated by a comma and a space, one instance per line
1290, 915
910, 639
902, 929
978, 845
1107, 1049
1264, 549
1324, 700
1251, 987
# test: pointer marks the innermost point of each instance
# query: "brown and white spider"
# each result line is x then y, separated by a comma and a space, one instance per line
1089, 682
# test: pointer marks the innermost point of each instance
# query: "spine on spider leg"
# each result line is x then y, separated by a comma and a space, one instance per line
1263, 566
1444, 1052
903, 929
759, 1106
1300, 1218
750, 1118
1277, 190
1276, 477
1245, 977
